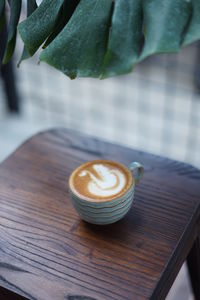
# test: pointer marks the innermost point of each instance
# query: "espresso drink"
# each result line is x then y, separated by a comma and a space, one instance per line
100, 180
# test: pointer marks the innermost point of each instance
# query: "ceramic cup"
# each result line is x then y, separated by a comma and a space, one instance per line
106, 211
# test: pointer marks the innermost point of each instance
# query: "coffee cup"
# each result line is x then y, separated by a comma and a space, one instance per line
102, 191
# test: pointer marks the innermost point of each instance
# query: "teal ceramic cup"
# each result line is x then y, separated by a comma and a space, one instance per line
106, 211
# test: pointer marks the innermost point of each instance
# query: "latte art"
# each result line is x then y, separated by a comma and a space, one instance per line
100, 180
109, 182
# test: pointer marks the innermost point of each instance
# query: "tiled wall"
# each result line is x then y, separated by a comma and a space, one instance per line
155, 109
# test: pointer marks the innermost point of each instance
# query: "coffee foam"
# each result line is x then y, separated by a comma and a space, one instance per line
99, 180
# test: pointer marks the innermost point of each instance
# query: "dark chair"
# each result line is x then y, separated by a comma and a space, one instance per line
7, 75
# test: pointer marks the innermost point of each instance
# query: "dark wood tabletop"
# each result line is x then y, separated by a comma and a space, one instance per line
47, 252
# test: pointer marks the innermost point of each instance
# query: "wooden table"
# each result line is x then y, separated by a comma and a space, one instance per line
47, 252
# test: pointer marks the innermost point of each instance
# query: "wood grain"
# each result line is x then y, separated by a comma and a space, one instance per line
47, 252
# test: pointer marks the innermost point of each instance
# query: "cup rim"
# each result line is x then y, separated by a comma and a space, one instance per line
92, 200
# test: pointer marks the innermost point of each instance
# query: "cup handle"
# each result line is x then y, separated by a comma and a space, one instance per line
135, 166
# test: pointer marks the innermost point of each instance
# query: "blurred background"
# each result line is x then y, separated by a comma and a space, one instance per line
156, 108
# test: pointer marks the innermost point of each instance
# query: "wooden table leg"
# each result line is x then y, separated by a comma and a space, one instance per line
193, 262
8, 295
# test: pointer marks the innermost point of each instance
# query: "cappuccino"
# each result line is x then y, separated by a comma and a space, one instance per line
102, 191
100, 180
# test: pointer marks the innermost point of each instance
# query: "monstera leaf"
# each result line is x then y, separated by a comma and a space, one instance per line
103, 38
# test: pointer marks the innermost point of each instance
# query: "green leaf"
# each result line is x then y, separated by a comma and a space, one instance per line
2, 14
2, 7
2, 21
80, 47
68, 8
25, 55
104, 38
125, 39
36, 28
164, 24
193, 31
56, 29
15, 9
31, 7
